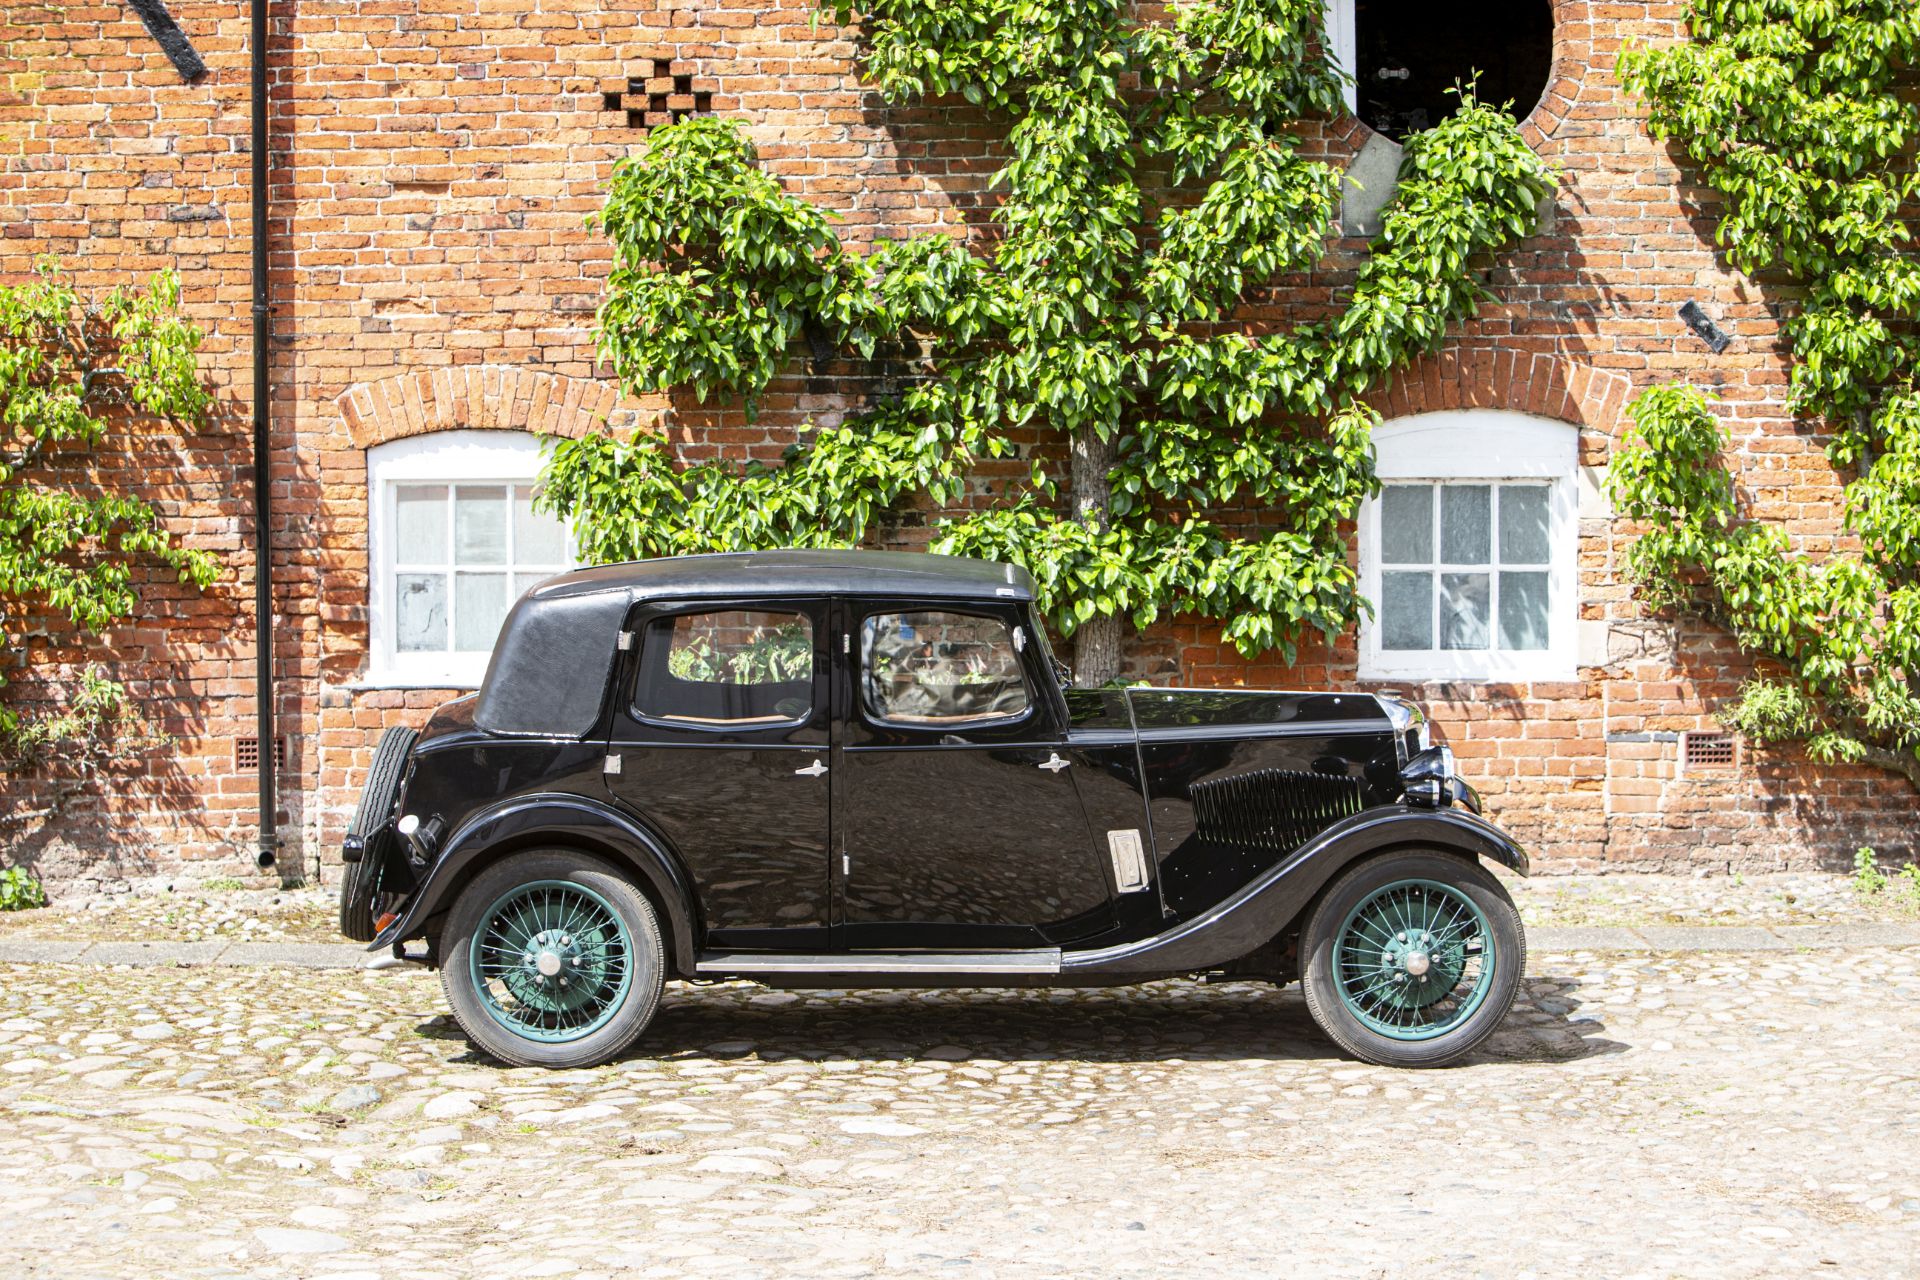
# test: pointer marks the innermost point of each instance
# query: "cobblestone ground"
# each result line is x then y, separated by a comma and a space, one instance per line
241, 911
1698, 1115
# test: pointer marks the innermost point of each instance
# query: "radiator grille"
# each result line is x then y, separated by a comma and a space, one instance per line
1272, 809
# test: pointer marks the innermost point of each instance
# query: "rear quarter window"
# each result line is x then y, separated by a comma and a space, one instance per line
727, 667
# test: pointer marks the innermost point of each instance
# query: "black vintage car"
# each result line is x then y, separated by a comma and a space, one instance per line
857, 769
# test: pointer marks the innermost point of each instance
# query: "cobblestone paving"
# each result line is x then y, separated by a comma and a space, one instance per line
1699, 1115
1629, 901
193, 913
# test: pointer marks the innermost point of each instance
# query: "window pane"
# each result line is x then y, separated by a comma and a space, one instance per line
1466, 533
1463, 609
729, 666
1523, 524
420, 524
420, 618
1523, 611
525, 582
940, 668
480, 524
538, 537
1406, 524
1406, 610
480, 605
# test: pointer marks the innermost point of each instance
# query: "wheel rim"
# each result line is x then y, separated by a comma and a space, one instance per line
552, 961
1414, 960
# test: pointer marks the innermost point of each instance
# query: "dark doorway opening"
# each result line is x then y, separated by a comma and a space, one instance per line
1409, 55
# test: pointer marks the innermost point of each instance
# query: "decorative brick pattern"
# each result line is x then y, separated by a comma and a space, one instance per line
480, 397
433, 169
666, 92
1488, 377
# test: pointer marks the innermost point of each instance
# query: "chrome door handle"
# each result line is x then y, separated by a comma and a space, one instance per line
813, 770
1054, 763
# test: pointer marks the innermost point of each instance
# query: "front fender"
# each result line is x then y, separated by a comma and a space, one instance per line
1259, 912
577, 822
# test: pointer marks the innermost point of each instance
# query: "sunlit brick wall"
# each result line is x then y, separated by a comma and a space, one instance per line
435, 162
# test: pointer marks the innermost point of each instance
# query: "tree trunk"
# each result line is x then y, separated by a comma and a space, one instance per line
1096, 649
1904, 763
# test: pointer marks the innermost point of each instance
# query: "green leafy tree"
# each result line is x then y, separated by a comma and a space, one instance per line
1802, 114
1099, 311
73, 373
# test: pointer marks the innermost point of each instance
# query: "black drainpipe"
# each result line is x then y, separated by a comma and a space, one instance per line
262, 424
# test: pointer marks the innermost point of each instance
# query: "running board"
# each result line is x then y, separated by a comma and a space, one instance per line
752, 964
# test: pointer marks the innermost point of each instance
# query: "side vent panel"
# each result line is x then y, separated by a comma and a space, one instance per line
1274, 810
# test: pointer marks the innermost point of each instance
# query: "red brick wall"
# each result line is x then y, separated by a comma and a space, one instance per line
434, 162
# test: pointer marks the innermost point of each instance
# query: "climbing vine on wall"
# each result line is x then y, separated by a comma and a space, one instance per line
1803, 116
1098, 311
72, 373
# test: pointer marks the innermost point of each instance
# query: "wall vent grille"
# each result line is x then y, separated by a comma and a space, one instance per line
246, 754
1708, 750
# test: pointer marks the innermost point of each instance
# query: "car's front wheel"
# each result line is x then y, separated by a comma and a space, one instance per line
1412, 958
552, 958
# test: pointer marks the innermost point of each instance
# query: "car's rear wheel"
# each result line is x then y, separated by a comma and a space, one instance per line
1412, 958
553, 959
364, 886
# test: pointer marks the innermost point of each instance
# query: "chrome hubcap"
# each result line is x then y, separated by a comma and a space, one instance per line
550, 955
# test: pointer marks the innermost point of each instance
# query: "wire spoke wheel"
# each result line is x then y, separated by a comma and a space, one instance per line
551, 961
1414, 959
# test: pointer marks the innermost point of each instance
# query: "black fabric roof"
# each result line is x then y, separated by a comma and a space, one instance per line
550, 666
800, 573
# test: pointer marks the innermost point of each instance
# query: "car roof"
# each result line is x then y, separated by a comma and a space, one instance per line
789, 573
550, 666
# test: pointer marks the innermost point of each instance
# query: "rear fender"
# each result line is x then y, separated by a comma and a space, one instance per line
1241, 924
546, 821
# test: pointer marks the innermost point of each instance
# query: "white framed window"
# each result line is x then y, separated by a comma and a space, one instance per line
1469, 552
452, 541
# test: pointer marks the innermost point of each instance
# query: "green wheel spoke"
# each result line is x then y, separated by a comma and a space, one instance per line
1408, 925
567, 928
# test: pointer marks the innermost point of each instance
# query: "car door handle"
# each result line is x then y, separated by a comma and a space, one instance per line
813, 770
1053, 763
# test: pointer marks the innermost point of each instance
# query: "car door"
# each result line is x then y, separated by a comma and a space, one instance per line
720, 741
956, 814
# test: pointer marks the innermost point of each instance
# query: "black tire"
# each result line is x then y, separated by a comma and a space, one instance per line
1360, 882
362, 885
647, 960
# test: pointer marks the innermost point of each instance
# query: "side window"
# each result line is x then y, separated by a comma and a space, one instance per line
727, 667
935, 668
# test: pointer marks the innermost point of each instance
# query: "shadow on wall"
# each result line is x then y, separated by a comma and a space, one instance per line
1773, 807
181, 655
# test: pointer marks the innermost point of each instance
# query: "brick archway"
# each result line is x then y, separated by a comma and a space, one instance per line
1485, 377
485, 397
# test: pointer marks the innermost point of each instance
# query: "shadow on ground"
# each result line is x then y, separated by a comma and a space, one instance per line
1160, 1021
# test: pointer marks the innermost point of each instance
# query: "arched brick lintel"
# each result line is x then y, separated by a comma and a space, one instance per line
483, 397
1537, 382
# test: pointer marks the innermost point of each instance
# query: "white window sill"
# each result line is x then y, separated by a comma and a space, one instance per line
1495, 673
